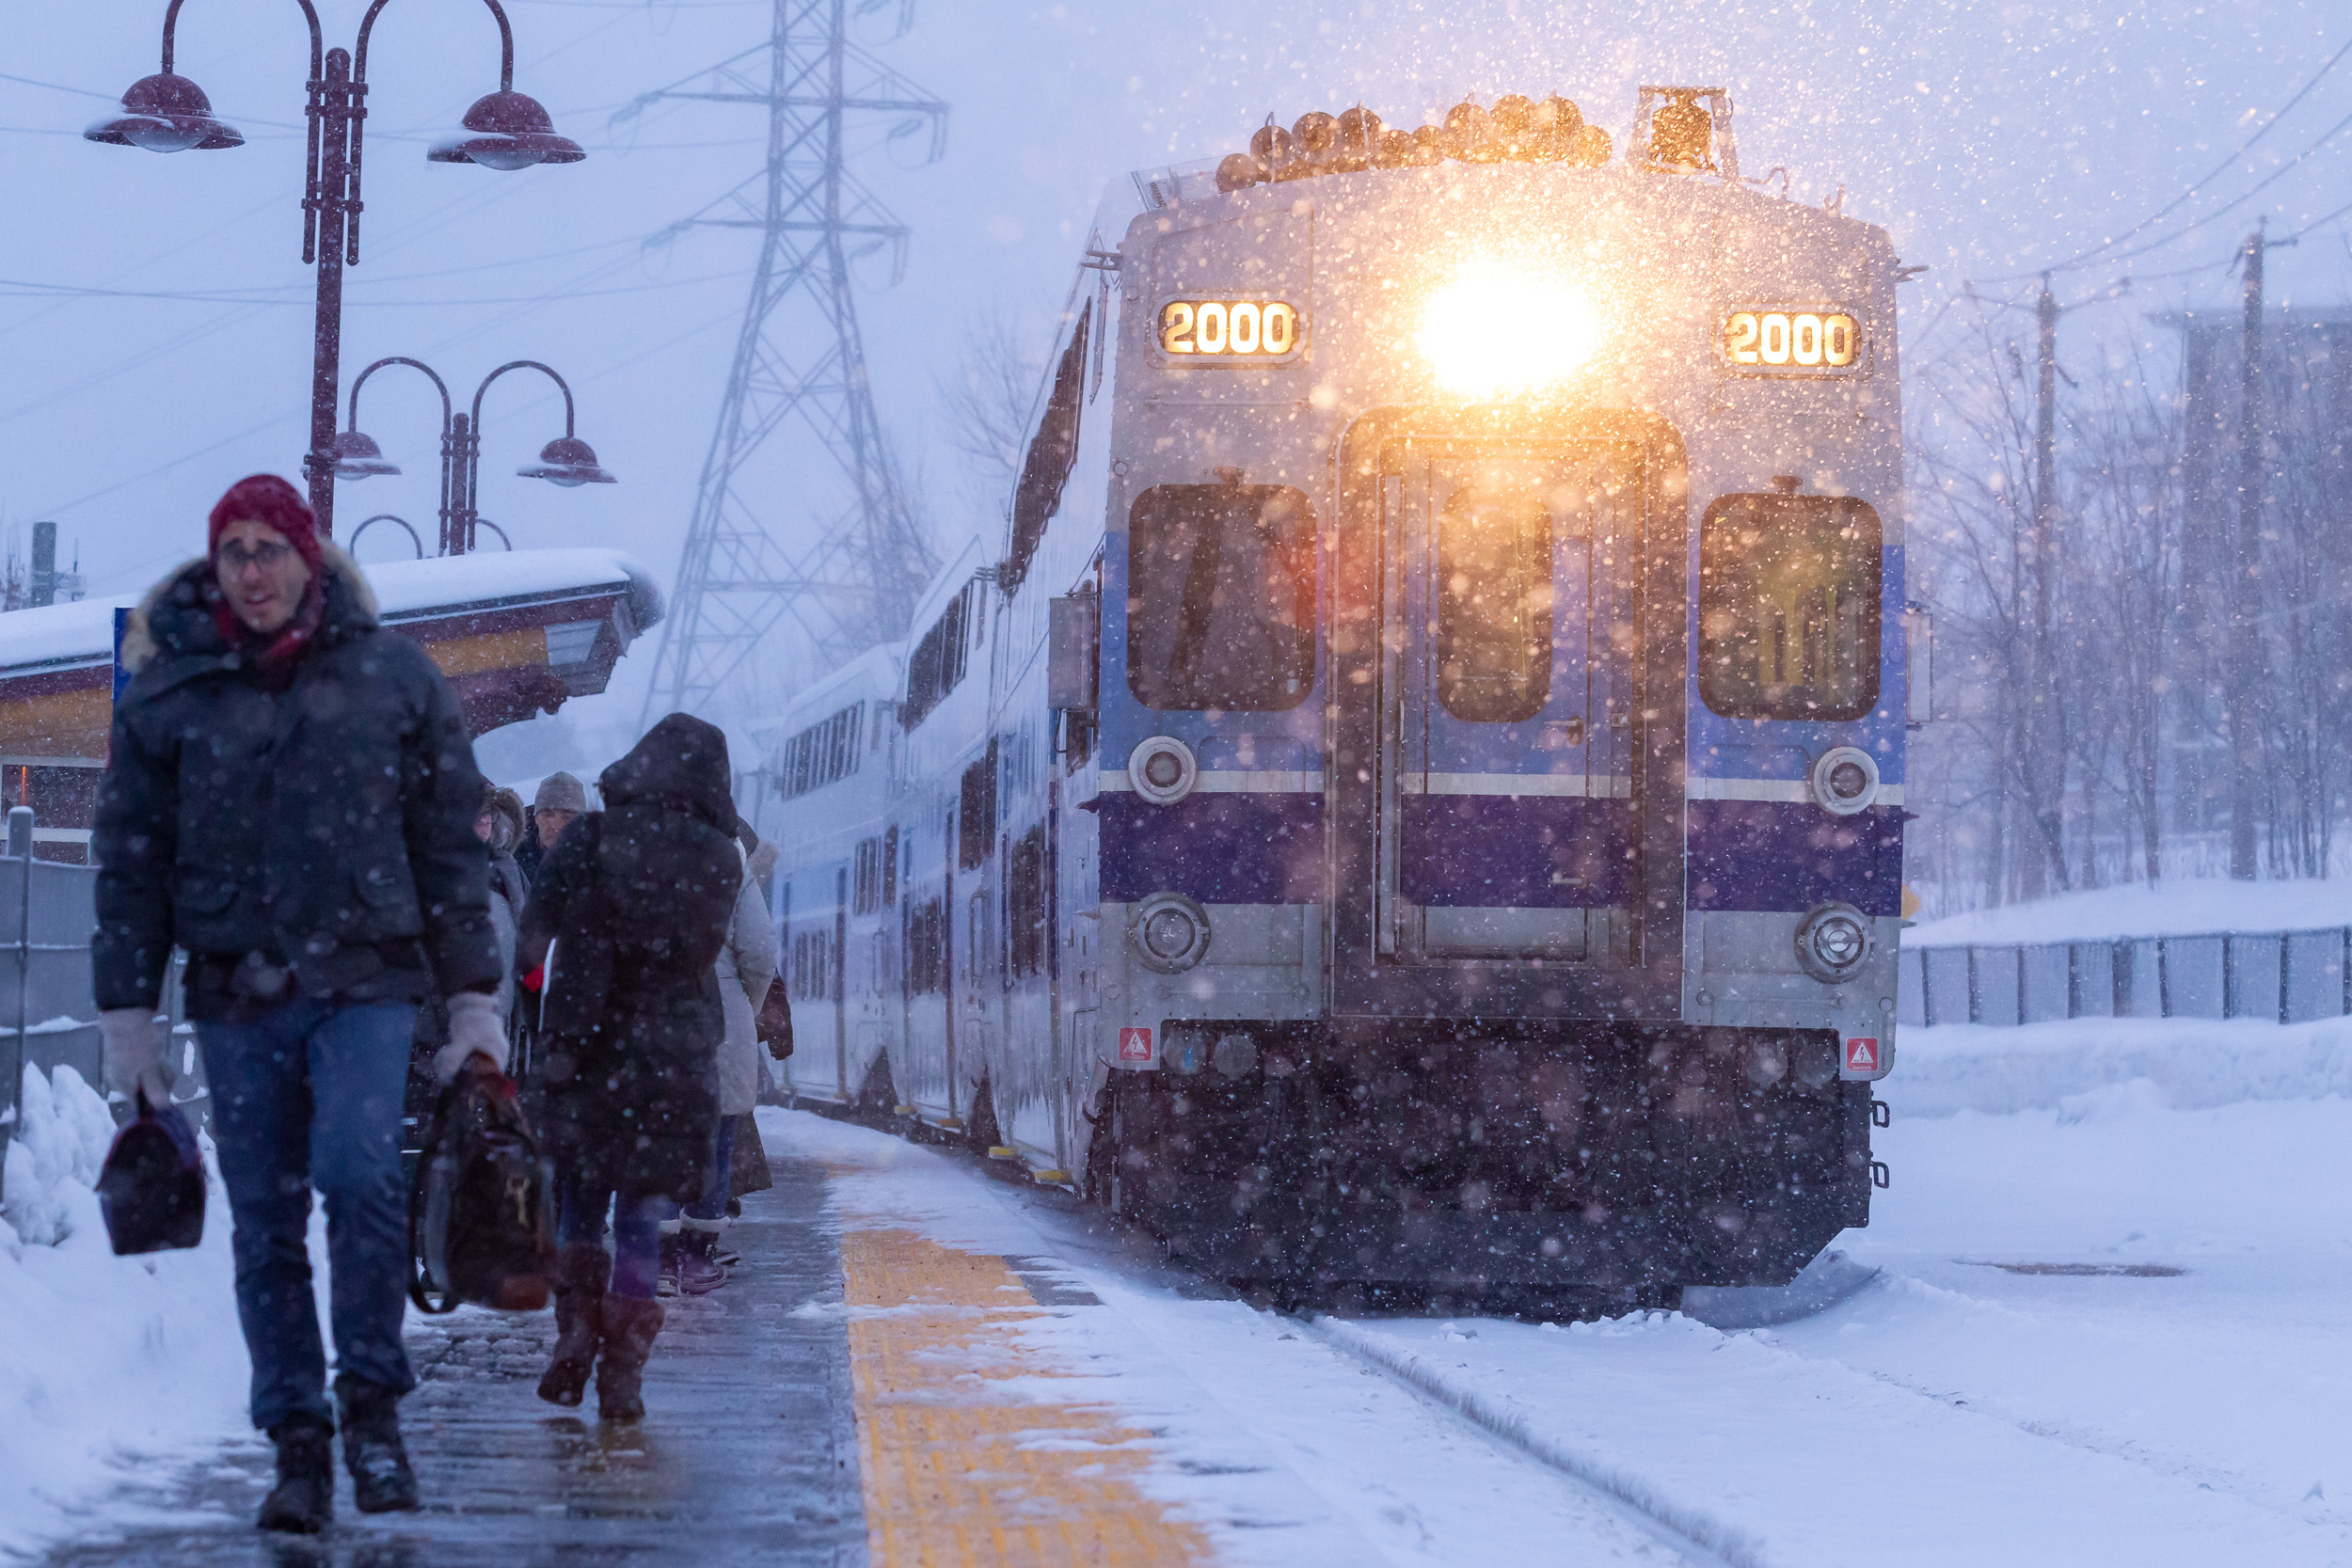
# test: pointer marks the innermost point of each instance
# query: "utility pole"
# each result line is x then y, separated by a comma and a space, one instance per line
798, 409
2048, 719
2245, 644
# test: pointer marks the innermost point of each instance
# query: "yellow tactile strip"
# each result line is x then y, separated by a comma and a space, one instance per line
958, 1473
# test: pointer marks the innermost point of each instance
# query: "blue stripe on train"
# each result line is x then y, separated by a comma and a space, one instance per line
1528, 852
1218, 849
1774, 855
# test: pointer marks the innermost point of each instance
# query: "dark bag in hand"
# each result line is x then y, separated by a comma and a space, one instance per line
482, 1214
152, 1188
775, 1024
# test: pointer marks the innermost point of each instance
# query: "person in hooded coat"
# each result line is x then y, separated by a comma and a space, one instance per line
289, 796
637, 900
746, 964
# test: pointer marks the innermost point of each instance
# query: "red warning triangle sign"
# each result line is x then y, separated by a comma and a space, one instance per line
1862, 1054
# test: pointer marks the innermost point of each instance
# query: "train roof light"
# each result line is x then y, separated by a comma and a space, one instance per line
1517, 129
1497, 328
1681, 137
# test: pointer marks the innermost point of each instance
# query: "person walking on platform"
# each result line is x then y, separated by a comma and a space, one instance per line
746, 964
637, 900
559, 802
289, 796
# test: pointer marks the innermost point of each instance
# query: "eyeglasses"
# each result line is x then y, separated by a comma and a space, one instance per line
236, 558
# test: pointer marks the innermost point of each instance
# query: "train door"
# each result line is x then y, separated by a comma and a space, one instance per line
1515, 721
978, 983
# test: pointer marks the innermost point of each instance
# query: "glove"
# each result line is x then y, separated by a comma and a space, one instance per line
474, 1029
135, 1044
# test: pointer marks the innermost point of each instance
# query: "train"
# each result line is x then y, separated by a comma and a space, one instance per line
1413, 796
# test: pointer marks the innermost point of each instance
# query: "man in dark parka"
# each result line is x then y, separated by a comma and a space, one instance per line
290, 795
637, 900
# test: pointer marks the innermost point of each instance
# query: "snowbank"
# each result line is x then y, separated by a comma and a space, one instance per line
2186, 908
2187, 1063
107, 1365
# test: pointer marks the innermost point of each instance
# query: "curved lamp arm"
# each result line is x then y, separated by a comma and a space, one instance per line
318, 47
522, 365
506, 43
361, 380
353, 543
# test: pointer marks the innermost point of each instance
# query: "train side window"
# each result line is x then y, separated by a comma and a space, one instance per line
890, 867
1052, 451
1788, 607
1494, 603
1221, 598
1025, 902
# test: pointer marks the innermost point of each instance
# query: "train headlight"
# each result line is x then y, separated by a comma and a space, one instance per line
1170, 932
1845, 780
1832, 943
1163, 769
1502, 327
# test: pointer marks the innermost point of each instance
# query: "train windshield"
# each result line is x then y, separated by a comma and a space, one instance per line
1220, 596
1788, 607
1494, 591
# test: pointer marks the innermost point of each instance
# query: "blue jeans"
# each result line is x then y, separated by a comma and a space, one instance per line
308, 1094
579, 1208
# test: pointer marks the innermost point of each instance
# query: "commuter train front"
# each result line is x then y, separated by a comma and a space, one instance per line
1418, 797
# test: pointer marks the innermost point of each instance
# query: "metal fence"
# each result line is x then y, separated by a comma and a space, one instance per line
2283, 976
47, 912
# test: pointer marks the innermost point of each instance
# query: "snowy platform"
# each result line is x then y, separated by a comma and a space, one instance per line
2111, 1332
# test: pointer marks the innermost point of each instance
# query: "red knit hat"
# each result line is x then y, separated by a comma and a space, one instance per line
267, 499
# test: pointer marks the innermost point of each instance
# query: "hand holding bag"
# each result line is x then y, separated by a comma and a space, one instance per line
775, 1024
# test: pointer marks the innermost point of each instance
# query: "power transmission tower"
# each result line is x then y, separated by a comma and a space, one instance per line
799, 407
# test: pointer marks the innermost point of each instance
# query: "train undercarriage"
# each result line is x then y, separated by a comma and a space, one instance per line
1617, 1162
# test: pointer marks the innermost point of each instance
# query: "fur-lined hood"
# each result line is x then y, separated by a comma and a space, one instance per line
175, 616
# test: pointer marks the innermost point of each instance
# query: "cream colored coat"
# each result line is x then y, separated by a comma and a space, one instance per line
746, 965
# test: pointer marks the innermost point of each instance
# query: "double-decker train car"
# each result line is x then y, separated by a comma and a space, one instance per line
1416, 799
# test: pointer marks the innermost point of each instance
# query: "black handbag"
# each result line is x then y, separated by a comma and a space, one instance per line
481, 1213
152, 1188
775, 1024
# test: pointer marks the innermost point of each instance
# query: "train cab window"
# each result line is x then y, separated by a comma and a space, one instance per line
1221, 598
1494, 601
1788, 607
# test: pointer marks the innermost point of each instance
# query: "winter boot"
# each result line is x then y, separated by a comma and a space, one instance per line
666, 1283
630, 1328
303, 1501
699, 1273
581, 1274
381, 1481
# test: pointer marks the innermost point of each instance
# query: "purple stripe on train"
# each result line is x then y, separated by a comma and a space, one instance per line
1773, 855
1218, 849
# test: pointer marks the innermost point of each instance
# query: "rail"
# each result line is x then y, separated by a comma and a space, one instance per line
2281, 976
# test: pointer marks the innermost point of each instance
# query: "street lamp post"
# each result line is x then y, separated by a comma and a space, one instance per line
568, 460
505, 130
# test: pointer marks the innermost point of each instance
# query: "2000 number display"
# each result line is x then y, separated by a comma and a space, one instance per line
1228, 328
1793, 341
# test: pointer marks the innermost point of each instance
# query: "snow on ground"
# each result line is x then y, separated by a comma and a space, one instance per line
1286, 1452
2184, 907
110, 1368
2187, 1063
2111, 1323
1956, 1413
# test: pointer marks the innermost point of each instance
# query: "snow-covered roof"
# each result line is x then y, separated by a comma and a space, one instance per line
65, 635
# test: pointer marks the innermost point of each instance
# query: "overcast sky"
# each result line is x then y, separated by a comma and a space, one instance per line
1989, 139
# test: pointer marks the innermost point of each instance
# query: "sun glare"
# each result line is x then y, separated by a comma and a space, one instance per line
1501, 327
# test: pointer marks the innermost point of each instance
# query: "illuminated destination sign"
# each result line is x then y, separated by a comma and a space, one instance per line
1230, 331
1775, 342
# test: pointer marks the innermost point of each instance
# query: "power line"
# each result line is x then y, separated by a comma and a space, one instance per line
2077, 262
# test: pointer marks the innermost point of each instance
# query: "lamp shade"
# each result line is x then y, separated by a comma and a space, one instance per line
506, 129
358, 456
165, 114
568, 461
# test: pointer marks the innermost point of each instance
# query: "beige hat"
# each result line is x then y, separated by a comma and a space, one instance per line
560, 792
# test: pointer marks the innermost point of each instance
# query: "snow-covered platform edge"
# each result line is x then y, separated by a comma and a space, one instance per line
2186, 1064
